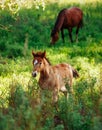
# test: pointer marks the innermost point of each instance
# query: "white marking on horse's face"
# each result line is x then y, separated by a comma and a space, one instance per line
35, 62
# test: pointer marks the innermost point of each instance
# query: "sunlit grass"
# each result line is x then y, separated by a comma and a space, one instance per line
72, 2
20, 107
87, 69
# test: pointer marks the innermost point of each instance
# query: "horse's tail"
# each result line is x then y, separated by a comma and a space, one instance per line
75, 73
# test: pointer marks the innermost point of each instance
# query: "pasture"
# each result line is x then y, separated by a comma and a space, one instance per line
22, 106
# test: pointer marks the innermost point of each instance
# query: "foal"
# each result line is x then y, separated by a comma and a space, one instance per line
67, 19
53, 78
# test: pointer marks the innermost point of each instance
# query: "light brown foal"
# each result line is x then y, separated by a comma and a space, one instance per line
53, 78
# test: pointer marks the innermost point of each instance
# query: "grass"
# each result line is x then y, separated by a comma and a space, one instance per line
21, 106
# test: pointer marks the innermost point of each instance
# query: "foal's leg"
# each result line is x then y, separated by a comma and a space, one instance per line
64, 90
55, 95
70, 34
55, 99
70, 85
62, 34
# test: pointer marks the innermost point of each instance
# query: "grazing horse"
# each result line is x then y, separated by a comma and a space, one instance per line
53, 78
67, 19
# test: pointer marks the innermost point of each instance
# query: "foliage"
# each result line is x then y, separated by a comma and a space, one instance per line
14, 5
23, 106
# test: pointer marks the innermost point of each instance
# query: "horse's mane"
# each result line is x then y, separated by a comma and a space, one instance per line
48, 61
58, 22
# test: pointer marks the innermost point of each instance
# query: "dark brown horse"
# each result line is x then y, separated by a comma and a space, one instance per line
67, 19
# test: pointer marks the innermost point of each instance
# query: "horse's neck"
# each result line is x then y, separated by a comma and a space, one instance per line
45, 72
59, 22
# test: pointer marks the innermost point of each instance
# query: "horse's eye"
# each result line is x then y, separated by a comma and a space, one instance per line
40, 63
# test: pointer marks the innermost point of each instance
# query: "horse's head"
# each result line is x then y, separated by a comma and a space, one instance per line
54, 37
38, 62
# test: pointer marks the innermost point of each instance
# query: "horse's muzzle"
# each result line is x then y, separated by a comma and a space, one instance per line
34, 73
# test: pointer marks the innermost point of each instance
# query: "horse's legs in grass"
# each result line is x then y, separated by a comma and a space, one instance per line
77, 30
55, 95
70, 34
70, 85
66, 94
62, 34
55, 99
64, 90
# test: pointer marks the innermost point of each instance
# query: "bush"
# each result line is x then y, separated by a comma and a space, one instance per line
14, 51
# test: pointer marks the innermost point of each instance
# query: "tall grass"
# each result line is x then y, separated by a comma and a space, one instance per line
22, 104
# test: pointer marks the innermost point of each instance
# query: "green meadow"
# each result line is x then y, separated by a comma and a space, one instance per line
22, 106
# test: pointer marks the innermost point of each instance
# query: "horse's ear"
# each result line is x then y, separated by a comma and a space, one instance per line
44, 54
33, 53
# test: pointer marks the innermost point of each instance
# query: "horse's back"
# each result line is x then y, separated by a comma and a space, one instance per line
75, 11
73, 17
63, 69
